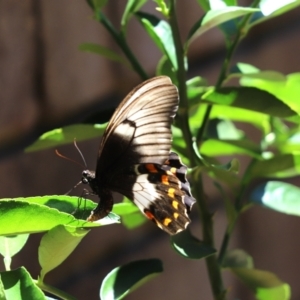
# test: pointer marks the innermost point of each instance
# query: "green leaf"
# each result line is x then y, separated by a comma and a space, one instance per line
10, 245
214, 147
257, 119
77, 206
190, 247
237, 258
97, 4
279, 166
250, 98
161, 34
125, 208
271, 9
56, 245
66, 135
265, 285
19, 217
282, 292
216, 17
224, 173
124, 279
103, 51
132, 6
18, 285
279, 196
286, 88
130, 214
164, 67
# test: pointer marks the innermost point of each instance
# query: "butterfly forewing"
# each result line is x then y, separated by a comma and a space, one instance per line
140, 129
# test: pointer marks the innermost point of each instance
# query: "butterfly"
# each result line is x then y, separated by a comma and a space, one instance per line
134, 158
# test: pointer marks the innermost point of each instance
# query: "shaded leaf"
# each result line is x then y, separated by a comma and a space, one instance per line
190, 247
103, 51
237, 258
213, 147
263, 284
124, 279
280, 166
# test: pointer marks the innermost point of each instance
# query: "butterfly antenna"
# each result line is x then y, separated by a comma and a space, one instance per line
74, 187
83, 159
67, 158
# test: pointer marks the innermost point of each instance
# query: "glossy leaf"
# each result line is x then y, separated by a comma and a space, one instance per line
216, 17
190, 247
124, 279
66, 135
19, 217
161, 34
18, 285
280, 196
132, 6
257, 119
252, 99
56, 245
271, 9
286, 88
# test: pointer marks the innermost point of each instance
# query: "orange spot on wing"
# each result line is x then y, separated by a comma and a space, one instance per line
164, 179
151, 168
176, 215
149, 215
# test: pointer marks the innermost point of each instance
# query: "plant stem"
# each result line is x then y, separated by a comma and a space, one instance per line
52, 290
214, 270
122, 43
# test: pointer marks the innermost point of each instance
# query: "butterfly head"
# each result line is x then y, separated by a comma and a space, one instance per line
87, 176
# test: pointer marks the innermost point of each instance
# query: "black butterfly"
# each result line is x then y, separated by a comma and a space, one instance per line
135, 160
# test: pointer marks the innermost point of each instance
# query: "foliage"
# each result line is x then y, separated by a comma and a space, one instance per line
203, 131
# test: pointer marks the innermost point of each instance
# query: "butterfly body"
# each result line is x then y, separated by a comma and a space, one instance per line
135, 160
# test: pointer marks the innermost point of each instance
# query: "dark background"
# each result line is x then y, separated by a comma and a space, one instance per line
46, 82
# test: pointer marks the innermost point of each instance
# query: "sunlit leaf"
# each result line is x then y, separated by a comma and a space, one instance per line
216, 17
161, 34
56, 245
18, 285
66, 135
